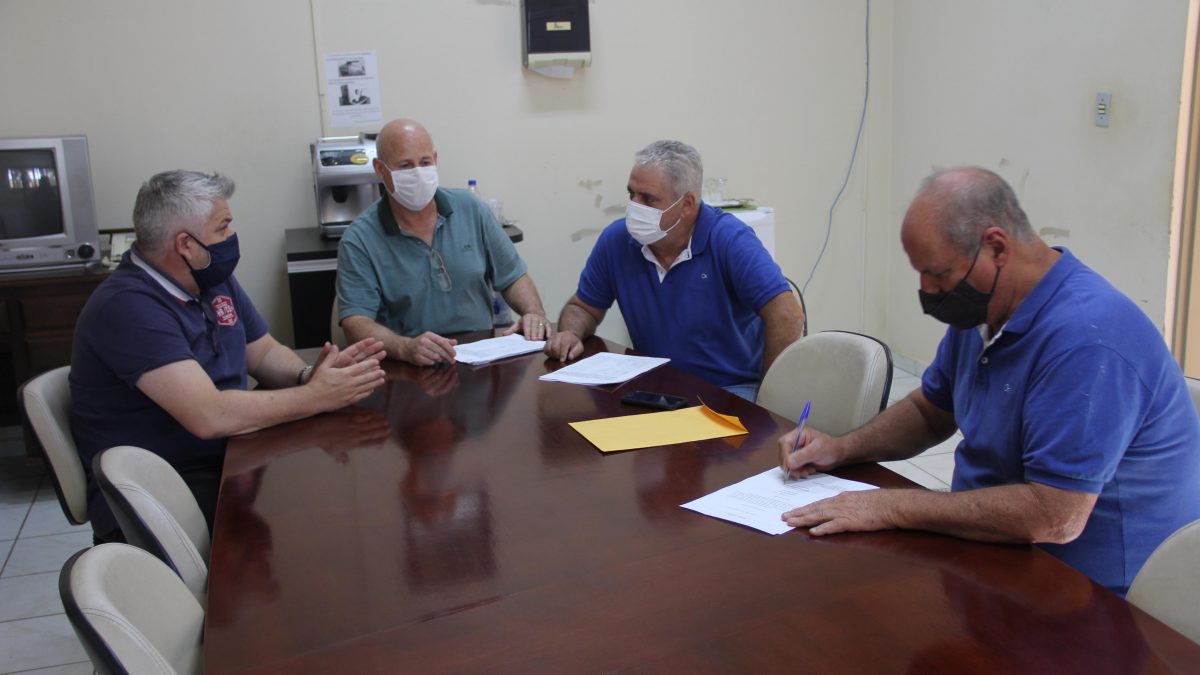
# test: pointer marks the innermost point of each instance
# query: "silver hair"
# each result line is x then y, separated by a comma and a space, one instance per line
973, 199
681, 162
175, 201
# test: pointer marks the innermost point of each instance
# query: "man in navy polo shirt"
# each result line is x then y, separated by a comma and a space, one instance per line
694, 283
163, 348
1078, 431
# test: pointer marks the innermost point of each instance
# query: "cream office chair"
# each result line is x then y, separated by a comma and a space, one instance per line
132, 614
1168, 585
45, 402
156, 511
847, 376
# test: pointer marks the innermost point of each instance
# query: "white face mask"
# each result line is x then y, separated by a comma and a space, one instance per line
415, 187
644, 222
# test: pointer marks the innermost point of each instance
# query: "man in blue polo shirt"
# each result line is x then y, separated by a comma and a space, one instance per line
694, 283
1079, 433
163, 348
421, 262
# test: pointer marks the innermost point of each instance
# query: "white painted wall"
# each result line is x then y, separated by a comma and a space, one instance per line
221, 85
767, 90
1010, 86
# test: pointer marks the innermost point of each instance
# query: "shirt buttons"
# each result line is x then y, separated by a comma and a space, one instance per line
983, 360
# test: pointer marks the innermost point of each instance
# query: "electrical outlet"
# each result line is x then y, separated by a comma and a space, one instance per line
1103, 109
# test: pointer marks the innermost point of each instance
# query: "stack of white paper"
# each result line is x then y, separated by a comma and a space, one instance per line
493, 349
604, 368
760, 500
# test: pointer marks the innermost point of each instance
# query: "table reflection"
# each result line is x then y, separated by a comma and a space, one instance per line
1074, 606
248, 554
247, 550
982, 598
666, 477
448, 536
455, 523
447, 533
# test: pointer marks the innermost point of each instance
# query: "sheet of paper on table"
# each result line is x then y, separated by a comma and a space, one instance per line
759, 500
494, 349
647, 430
604, 368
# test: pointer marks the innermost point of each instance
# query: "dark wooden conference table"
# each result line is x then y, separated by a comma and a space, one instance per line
453, 522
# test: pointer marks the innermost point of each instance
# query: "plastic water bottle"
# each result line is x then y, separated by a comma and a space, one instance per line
497, 208
472, 187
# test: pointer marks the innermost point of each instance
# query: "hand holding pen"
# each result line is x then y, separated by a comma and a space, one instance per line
796, 443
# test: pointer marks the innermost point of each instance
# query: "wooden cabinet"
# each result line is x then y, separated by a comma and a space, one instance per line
37, 325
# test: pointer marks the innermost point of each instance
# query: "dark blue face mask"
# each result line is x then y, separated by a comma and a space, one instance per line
223, 257
962, 306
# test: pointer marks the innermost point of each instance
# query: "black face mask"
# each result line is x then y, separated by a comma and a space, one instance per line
222, 259
962, 306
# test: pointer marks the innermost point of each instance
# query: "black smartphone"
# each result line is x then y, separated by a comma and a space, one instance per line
650, 399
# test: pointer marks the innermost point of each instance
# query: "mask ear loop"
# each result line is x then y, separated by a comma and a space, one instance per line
995, 280
185, 260
677, 220
972, 267
963, 279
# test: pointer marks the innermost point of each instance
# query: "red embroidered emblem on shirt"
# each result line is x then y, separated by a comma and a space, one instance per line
223, 306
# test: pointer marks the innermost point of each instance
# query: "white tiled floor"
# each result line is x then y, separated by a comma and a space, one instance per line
933, 468
36, 539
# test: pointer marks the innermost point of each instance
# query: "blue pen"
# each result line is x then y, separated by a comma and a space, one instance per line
799, 431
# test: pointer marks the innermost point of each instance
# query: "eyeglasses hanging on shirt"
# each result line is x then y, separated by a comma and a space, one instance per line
211, 325
438, 271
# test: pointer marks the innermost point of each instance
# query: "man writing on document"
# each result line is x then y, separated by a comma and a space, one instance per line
421, 262
1079, 433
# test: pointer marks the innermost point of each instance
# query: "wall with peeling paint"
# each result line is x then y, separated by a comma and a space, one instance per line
1010, 87
768, 91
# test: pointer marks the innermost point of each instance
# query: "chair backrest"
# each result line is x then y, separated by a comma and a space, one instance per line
1168, 585
1193, 386
846, 375
336, 335
132, 614
156, 510
45, 401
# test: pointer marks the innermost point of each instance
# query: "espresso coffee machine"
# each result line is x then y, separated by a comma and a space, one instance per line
344, 180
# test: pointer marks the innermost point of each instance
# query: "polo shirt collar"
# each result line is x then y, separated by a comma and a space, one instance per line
1043, 292
168, 284
706, 219
388, 222
684, 256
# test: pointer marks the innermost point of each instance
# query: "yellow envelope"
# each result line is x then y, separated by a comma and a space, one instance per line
661, 428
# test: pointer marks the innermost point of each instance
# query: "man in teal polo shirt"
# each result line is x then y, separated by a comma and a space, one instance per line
422, 262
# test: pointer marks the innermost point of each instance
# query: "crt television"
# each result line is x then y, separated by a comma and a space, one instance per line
47, 210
